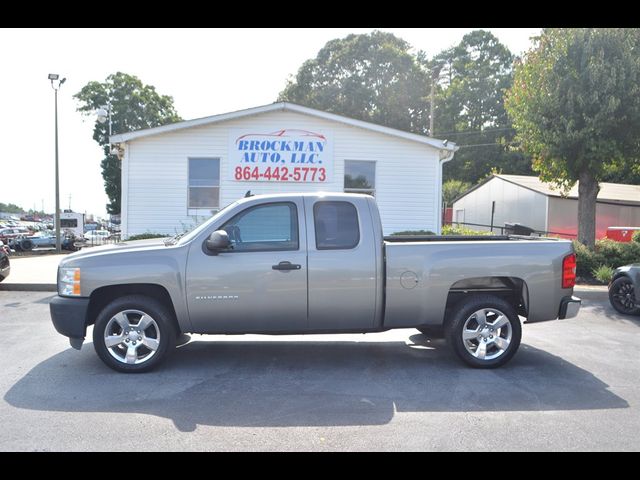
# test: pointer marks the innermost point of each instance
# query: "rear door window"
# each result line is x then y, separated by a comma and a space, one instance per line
336, 225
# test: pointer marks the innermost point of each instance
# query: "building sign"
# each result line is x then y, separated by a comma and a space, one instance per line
291, 156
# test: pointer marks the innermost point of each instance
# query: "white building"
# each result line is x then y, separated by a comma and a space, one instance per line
529, 201
176, 175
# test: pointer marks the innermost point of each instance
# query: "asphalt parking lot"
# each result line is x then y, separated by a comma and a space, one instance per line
572, 386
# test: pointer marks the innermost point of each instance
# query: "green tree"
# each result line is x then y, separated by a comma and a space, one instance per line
575, 103
473, 77
623, 172
10, 208
358, 182
452, 189
371, 77
134, 106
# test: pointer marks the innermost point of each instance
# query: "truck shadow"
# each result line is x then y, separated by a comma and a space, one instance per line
309, 383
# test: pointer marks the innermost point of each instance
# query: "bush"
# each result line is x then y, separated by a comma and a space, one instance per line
607, 253
457, 230
145, 236
617, 254
414, 232
636, 237
446, 230
586, 260
632, 252
603, 274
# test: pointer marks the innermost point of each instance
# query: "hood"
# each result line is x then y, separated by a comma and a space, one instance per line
631, 267
115, 248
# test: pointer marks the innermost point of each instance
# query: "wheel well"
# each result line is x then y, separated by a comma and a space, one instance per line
621, 274
511, 289
102, 296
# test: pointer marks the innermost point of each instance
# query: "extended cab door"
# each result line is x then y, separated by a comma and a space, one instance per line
261, 284
342, 264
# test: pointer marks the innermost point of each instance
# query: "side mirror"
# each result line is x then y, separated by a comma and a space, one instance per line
217, 241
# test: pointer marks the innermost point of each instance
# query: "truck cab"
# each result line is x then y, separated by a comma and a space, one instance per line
279, 251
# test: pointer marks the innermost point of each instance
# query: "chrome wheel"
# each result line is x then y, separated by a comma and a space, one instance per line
132, 337
487, 334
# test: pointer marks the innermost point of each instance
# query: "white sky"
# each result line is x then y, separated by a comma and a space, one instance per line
207, 71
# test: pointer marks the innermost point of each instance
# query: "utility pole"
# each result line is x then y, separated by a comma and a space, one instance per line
435, 75
431, 112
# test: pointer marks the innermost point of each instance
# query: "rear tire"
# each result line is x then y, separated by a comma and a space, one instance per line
622, 296
133, 334
484, 331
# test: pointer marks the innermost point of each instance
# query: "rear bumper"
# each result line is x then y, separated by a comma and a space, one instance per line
569, 307
69, 317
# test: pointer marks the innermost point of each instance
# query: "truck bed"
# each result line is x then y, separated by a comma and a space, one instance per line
442, 238
458, 238
421, 271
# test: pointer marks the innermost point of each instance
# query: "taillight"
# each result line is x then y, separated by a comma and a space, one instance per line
569, 271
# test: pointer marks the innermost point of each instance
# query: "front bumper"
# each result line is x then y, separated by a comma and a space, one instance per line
569, 307
69, 317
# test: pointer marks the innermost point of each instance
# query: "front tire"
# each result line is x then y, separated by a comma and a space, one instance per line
622, 296
484, 331
26, 245
133, 334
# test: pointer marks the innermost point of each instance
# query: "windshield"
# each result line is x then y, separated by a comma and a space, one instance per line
189, 235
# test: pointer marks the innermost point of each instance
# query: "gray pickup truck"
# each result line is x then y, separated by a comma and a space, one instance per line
310, 263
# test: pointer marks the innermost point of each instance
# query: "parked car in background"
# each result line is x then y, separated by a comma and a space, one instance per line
625, 282
5, 266
7, 234
21, 243
42, 240
73, 242
97, 236
47, 239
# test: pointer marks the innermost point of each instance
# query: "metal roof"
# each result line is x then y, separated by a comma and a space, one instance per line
285, 106
612, 192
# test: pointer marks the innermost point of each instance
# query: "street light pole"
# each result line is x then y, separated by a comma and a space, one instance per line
104, 114
52, 78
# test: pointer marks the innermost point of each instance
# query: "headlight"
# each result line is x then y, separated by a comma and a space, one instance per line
69, 282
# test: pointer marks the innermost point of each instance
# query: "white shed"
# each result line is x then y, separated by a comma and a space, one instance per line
529, 201
177, 175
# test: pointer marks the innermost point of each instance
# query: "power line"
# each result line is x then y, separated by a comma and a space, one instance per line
470, 132
479, 145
